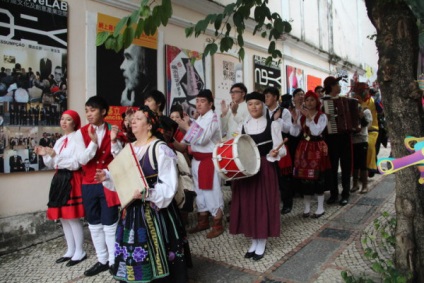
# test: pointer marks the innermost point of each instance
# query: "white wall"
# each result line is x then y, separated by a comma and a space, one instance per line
26, 193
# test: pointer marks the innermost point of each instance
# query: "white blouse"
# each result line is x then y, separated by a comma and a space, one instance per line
166, 187
65, 159
254, 126
315, 128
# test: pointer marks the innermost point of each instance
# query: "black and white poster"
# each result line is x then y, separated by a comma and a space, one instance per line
266, 76
33, 79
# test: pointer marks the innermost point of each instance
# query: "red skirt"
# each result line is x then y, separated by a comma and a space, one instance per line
285, 164
255, 204
311, 160
73, 208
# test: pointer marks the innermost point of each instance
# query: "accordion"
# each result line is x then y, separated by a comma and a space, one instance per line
343, 116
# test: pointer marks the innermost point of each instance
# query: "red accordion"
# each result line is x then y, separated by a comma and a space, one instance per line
343, 116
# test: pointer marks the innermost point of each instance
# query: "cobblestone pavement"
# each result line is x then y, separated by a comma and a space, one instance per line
308, 250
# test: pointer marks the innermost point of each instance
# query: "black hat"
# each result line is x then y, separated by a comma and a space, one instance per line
206, 93
255, 95
329, 82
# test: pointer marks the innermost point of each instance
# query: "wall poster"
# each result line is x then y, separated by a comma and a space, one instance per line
124, 78
266, 76
185, 77
227, 70
33, 80
313, 82
295, 78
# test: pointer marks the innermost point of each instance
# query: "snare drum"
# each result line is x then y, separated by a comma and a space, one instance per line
237, 158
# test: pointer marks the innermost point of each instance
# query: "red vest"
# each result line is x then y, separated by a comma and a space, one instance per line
101, 160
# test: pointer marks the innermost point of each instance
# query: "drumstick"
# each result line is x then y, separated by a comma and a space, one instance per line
281, 145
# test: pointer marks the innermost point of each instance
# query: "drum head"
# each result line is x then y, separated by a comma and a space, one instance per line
247, 155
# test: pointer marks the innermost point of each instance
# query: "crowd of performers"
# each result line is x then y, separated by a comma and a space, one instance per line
300, 140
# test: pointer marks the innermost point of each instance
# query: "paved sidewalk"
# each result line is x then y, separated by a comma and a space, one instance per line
308, 250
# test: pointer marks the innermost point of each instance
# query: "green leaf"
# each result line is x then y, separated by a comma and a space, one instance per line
287, 27
167, 8
109, 43
238, 19
377, 267
263, 34
240, 40
229, 9
102, 37
218, 22
139, 29
189, 31
226, 43
145, 12
119, 42
133, 18
128, 37
156, 16
200, 27
271, 47
144, 3
211, 49
164, 18
241, 54
122, 22
227, 33
259, 15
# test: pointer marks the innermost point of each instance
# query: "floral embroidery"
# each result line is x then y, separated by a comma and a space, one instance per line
139, 254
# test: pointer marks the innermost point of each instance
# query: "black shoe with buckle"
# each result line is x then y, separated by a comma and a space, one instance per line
249, 255
343, 201
62, 259
75, 262
96, 269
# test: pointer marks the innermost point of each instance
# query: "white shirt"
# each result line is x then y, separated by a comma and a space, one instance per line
85, 154
230, 122
362, 136
254, 126
285, 120
210, 135
163, 192
315, 128
65, 159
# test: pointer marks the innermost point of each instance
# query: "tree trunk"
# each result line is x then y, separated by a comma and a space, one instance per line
397, 44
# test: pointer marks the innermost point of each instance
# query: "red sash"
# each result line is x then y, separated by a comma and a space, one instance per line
206, 170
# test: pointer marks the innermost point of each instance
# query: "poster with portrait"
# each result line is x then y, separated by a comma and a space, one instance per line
227, 70
185, 77
125, 77
313, 82
33, 80
295, 78
266, 76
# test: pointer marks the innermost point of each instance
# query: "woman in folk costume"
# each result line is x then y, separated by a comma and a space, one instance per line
151, 243
255, 203
311, 163
65, 201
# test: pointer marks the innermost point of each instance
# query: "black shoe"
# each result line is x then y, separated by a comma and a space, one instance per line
63, 259
286, 210
257, 257
111, 269
343, 201
96, 269
249, 255
75, 262
332, 200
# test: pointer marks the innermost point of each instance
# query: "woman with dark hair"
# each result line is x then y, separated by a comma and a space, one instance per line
255, 203
65, 201
151, 242
311, 161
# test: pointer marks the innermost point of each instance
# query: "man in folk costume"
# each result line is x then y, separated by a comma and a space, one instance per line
202, 135
100, 204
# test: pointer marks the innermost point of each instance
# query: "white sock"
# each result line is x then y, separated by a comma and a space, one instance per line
77, 231
260, 247
253, 246
307, 202
110, 231
320, 208
98, 237
69, 237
